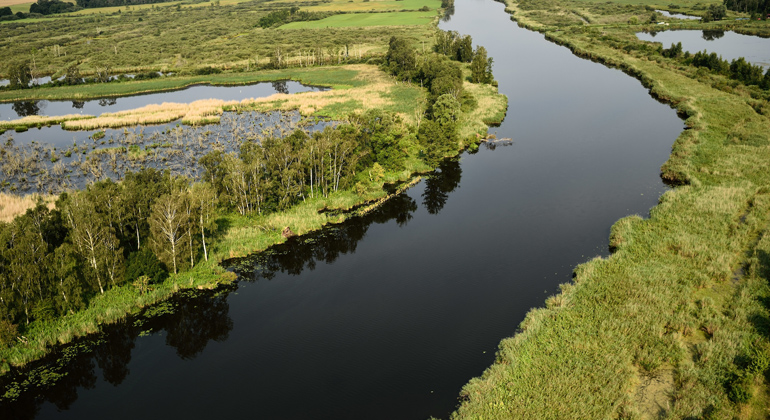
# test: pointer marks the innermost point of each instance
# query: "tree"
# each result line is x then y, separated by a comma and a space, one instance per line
19, 75
94, 239
5, 11
167, 224
145, 263
481, 66
464, 49
400, 58
72, 77
715, 12
206, 201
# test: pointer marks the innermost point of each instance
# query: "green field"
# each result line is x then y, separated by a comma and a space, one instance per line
366, 19
377, 5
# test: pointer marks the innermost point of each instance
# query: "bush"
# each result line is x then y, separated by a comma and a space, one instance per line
8, 333
739, 388
207, 70
145, 263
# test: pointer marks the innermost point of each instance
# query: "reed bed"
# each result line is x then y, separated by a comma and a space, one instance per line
152, 114
41, 120
13, 205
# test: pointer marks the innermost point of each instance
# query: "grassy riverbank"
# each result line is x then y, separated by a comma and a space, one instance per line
674, 323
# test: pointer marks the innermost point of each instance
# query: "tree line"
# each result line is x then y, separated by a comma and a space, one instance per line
443, 77
293, 14
760, 7
738, 69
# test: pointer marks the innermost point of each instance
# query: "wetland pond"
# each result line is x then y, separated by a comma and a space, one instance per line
387, 316
728, 44
14, 110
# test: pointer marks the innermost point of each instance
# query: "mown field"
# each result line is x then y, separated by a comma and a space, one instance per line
674, 324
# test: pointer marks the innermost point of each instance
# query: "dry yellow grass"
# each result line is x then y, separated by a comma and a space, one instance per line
14, 205
197, 111
374, 94
35, 120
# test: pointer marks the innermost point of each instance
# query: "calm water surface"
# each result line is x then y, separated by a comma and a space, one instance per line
729, 45
14, 110
388, 316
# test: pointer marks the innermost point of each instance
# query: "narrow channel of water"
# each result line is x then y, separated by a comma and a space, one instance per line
678, 15
14, 110
388, 316
728, 44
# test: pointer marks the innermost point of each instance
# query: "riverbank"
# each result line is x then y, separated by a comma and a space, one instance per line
238, 236
673, 322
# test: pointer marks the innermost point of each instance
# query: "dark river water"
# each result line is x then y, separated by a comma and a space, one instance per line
388, 316
728, 44
14, 110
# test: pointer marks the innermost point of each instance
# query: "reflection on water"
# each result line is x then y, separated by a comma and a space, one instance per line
712, 34
10, 111
192, 319
729, 45
302, 253
189, 320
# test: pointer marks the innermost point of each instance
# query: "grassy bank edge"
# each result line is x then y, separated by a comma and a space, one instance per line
670, 306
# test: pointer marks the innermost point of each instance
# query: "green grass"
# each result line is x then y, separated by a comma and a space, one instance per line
366, 6
354, 20
672, 301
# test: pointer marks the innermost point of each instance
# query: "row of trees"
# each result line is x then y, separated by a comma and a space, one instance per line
49, 7
738, 69
293, 14
749, 6
112, 3
443, 78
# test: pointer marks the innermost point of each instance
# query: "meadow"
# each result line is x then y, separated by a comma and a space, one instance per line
182, 40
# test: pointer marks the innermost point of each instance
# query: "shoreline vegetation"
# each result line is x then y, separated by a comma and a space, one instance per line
399, 132
674, 324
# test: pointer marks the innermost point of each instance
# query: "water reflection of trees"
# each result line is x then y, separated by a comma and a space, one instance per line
281, 86
712, 34
190, 320
440, 183
26, 108
302, 253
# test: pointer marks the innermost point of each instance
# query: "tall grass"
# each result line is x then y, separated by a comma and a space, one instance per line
671, 301
14, 205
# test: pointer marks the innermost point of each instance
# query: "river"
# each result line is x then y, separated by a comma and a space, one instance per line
388, 316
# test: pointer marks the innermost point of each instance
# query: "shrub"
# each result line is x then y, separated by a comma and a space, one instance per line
145, 263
